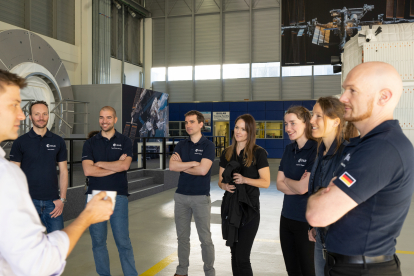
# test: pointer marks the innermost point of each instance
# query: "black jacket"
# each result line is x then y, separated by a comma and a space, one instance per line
236, 208
329, 166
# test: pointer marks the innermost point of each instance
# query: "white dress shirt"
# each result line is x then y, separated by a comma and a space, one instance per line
24, 248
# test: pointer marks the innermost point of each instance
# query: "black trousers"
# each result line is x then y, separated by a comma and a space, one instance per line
240, 251
390, 268
297, 250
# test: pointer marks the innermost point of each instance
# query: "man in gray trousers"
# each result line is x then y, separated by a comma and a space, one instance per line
193, 158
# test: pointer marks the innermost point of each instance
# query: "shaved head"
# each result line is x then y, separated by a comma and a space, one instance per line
372, 92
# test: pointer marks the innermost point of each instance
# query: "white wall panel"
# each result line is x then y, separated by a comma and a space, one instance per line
296, 88
236, 89
207, 39
266, 89
266, 35
208, 90
179, 41
327, 86
180, 91
236, 37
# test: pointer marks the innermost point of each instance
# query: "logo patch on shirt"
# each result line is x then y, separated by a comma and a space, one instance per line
347, 157
50, 146
117, 145
347, 179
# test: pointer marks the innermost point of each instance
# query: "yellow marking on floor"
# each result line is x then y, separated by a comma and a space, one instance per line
161, 265
263, 240
405, 252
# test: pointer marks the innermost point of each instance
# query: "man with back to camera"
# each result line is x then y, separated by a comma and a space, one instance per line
373, 185
37, 153
105, 165
193, 158
24, 248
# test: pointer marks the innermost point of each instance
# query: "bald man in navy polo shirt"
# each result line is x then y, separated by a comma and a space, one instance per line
193, 158
368, 199
106, 158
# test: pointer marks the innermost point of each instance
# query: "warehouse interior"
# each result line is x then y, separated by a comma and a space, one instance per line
220, 57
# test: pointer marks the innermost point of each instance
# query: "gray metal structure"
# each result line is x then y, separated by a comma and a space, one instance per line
101, 41
21, 46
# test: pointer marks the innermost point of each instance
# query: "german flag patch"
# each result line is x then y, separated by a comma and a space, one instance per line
347, 179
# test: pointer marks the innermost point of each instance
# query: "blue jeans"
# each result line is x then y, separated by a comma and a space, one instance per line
44, 208
119, 225
318, 256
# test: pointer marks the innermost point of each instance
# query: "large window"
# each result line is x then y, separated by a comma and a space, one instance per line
236, 71
177, 128
322, 70
158, 74
296, 71
207, 72
266, 70
180, 73
269, 130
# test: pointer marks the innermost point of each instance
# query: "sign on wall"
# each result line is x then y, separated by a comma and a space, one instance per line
221, 116
207, 121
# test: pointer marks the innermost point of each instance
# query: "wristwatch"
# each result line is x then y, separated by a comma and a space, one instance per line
63, 200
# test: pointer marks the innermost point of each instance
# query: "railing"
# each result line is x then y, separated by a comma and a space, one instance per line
140, 156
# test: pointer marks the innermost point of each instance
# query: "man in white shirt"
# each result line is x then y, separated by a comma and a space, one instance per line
24, 248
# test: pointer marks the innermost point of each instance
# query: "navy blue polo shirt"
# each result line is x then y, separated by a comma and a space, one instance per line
377, 172
293, 164
38, 157
195, 184
100, 149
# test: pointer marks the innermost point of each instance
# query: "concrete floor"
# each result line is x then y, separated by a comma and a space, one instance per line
153, 236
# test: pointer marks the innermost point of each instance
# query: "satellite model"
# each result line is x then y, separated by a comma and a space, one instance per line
345, 21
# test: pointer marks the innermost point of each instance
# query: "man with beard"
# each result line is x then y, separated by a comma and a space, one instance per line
106, 170
368, 199
24, 248
37, 153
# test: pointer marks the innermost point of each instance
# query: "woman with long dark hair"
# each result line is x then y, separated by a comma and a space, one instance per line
253, 174
298, 158
332, 133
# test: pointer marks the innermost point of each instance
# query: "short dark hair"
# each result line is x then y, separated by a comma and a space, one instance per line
110, 108
7, 78
200, 116
35, 103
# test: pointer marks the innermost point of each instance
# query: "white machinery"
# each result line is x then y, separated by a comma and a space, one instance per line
394, 45
30, 56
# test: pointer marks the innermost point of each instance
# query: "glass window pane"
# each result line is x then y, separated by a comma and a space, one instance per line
183, 133
180, 73
174, 133
158, 74
266, 70
293, 71
183, 125
274, 125
321, 70
207, 72
236, 71
274, 133
174, 125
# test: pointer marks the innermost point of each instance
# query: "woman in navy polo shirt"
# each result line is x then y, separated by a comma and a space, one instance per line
298, 157
254, 174
328, 126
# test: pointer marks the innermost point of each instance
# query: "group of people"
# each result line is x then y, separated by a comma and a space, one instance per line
347, 179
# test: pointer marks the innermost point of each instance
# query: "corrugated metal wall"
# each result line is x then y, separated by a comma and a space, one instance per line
38, 16
101, 41
211, 32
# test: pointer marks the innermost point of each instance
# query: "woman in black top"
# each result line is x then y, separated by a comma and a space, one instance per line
298, 157
254, 174
328, 127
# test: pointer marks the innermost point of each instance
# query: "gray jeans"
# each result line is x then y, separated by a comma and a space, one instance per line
185, 208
